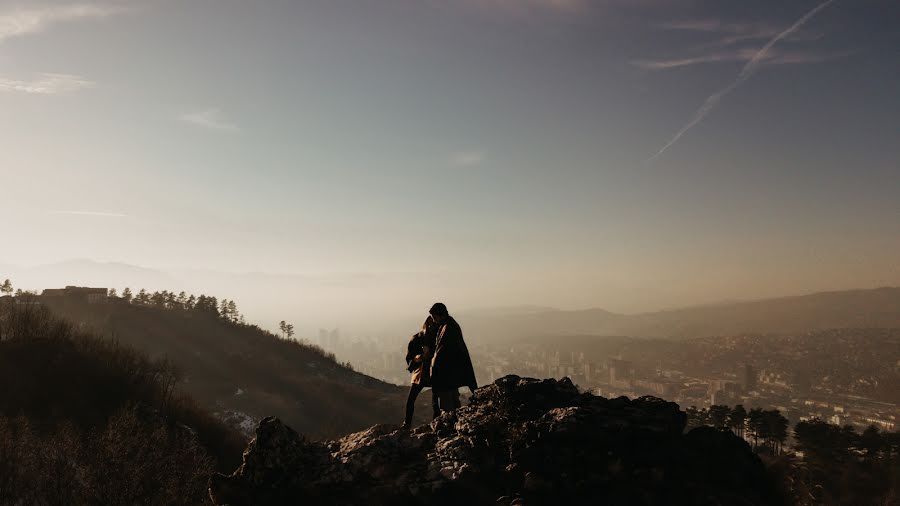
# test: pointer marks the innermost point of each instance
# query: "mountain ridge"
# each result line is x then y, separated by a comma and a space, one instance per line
857, 308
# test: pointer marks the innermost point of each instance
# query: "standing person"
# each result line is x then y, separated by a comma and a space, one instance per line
451, 366
418, 360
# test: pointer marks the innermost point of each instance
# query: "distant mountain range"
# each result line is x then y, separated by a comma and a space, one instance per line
372, 305
869, 308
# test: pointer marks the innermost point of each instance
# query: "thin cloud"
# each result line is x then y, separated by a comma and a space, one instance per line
730, 32
468, 159
16, 22
749, 69
46, 84
91, 213
212, 119
741, 55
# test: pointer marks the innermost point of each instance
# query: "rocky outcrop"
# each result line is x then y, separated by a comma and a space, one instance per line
519, 441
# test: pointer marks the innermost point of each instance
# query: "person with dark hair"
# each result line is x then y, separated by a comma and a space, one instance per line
418, 360
451, 366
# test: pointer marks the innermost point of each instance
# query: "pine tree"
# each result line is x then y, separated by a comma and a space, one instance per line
6, 288
736, 420
112, 293
126, 294
756, 425
718, 416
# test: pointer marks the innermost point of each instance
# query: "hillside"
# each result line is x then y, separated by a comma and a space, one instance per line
238, 370
873, 308
87, 421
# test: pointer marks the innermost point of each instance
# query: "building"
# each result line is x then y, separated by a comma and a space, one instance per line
621, 373
748, 378
77, 293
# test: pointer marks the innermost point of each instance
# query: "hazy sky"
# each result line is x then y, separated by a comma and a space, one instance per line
499, 151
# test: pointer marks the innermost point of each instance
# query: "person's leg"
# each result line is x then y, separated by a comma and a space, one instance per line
448, 400
454, 398
435, 406
414, 390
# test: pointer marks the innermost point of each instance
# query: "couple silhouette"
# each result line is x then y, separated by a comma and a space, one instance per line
438, 358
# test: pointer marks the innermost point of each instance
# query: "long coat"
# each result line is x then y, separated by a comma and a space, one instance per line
451, 366
418, 362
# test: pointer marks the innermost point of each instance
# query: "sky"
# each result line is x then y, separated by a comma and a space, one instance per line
631, 155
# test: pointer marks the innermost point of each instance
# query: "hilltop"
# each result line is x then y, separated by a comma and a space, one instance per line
519, 441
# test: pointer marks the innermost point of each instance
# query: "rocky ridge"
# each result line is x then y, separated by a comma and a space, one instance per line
519, 441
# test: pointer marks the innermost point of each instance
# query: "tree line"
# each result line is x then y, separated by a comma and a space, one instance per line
766, 429
209, 305
225, 309
827, 464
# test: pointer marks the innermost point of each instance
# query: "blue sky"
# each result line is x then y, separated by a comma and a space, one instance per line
512, 146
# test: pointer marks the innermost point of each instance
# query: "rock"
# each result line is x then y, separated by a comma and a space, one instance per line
518, 441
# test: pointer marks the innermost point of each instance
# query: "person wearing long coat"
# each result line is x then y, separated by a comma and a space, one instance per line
418, 360
451, 365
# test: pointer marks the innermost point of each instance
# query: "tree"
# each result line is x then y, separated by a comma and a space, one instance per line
232, 311
191, 302
113, 294
696, 417
182, 300
207, 305
736, 420
283, 326
718, 416
6, 288
289, 329
870, 442
142, 297
776, 429
126, 294
756, 425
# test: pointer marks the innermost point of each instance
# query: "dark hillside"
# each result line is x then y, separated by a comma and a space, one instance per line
233, 367
87, 421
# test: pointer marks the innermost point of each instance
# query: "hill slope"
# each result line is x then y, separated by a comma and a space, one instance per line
241, 369
87, 421
874, 308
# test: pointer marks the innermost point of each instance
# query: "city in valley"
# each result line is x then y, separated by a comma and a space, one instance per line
844, 376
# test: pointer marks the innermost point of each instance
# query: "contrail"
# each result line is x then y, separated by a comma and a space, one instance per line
748, 70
